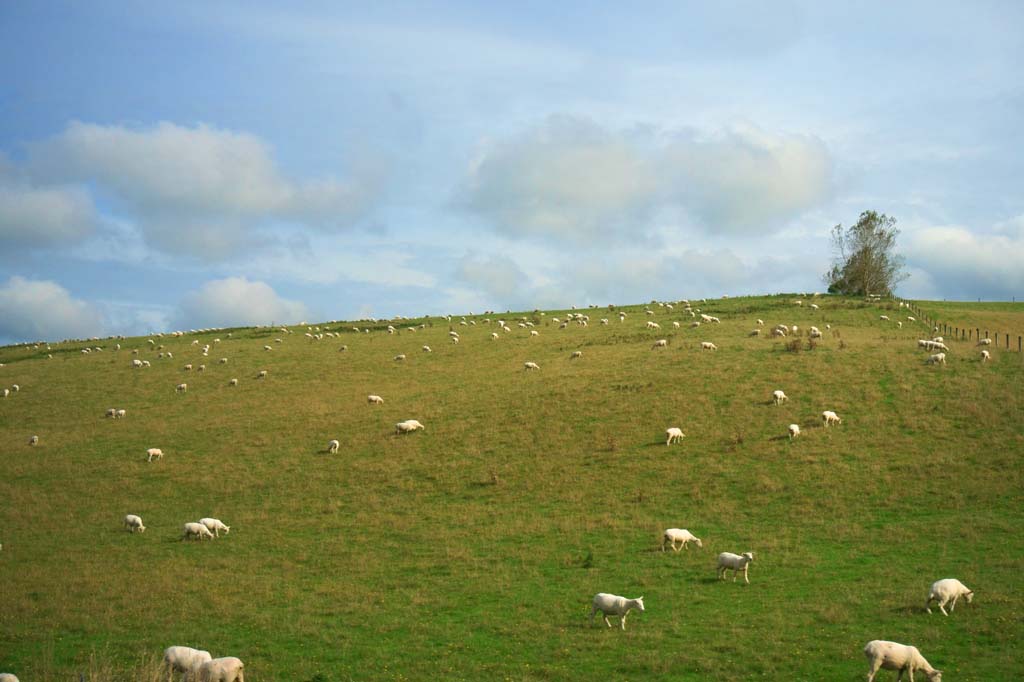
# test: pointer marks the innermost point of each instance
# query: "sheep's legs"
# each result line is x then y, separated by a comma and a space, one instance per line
953, 605
622, 620
942, 607
745, 575
606, 621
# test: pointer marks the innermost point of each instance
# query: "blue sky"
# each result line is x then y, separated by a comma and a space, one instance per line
207, 164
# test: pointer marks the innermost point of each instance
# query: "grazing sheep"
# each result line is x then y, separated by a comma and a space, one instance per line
223, 361
268, 348
494, 336
228, 669
674, 434
183, 659
233, 382
899, 324
778, 332
262, 374
760, 323
188, 368
660, 343
34, 440
901, 657
576, 354
945, 591
736, 562
401, 356
707, 345
613, 605
985, 356
830, 417
455, 341
154, 452
215, 526
534, 332
936, 359
884, 317
120, 414
985, 342
408, 426
794, 431
426, 349
674, 535
196, 530
778, 397
530, 365
136, 363
15, 387
754, 332
8, 677
912, 319
181, 388
112, 413
375, 400
332, 446
675, 325
133, 523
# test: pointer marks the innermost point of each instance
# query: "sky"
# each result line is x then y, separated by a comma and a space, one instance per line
185, 165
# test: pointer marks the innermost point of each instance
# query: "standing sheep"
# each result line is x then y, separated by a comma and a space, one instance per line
985, 356
901, 657
184, 659
181, 388
945, 591
375, 400
576, 354
120, 414
227, 669
794, 431
408, 426
674, 434
196, 530
154, 452
660, 343
830, 417
332, 446
736, 562
133, 523
215, 526
530, 365
674, 535
34, 440
779, 397
936, 359
707, 345
8, 677
613, 605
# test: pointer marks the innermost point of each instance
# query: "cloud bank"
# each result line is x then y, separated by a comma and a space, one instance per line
237, 302
42, 309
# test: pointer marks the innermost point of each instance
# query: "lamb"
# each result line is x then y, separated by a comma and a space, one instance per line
937, 358
133, 523
901, 657
760, 323
737, 562
660, 343
332, 446
120, 414
945, 591
674, 535
215, 526
183, 659
613, 605
830, 417
375, 400
707, 345
228, 669
223, 361
494, 336
674, 434
675, 325
778, 397
576, 354
268, 348
985, 356
181, 388
154, 452
408, 426
196, 530
653, 325
530, 365
794, 431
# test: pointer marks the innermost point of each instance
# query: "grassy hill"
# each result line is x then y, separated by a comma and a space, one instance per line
471, 550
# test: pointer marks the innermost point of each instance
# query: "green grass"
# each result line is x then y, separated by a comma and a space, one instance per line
470, 551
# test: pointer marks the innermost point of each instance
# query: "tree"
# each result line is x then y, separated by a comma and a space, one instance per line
864, 261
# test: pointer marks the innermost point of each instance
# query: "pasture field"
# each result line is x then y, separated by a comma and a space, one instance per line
471, 550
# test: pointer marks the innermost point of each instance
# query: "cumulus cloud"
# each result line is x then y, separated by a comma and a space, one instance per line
198, 190
237, 302
570, 178
964, 264
44, 216
41, 309
497, 275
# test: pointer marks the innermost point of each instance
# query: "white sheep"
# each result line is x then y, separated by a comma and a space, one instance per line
945, 591
262, 374
215, 526
674, 535
455, 341
401, 356
707, 345
613, 605
912, 319
34, 440
154, 452
223, 361
8, 677
268, 348
133, 523
332, 446
120, 414
884, 317
901, 657
674, 434
576, 354
136, 363
15, 387
408, 426
181, 388
530, 365
760, 323
736, 562
534, 332
660, 343
494, 336
184, 659
985, 342
196, 530
233, 382
936, 359
754, 332
794, 431
188, 368
899, 324
830, 417
375, 400
112, 412
426, 349
778, 332
985, 356
228, 669
675, 325
779, 397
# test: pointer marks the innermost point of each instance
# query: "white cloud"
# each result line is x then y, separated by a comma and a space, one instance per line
43, 216
965, 264
237, 302
497, 275
41, 309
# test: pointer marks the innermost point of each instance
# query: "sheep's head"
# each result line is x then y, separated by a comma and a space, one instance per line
749, 556
935, 676
969, 596
699, 543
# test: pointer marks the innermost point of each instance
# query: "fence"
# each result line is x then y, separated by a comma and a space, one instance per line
962, 333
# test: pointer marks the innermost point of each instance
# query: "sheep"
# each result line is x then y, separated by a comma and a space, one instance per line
778, 332
181, 388
455, 341
223, 361
613, 605
938, 339
660, 343
183, 659
408, 426
912, 319
534, 332
707, 345
15, 387
426, 349
945, 591
188, 368
196, 530
985, 342
653, 325
262, 374
674, 434
830, 417
136, 363
494, 336
985, 356
576, 354
7, 392
901, 657
884, 317
34, 440
8, 677
332, 446
154, 452
814, 306
737, 562
675, 325
375, 400
401, 356
215, 526
754, 332
133, 523
530, 365
112, 412
268, 348
794, 431
674, 535
228, 669
778, 397
233, 382
937, 358
760, 323
899, 324
120, 414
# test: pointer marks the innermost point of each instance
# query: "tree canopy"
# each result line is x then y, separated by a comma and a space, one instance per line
864, 259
